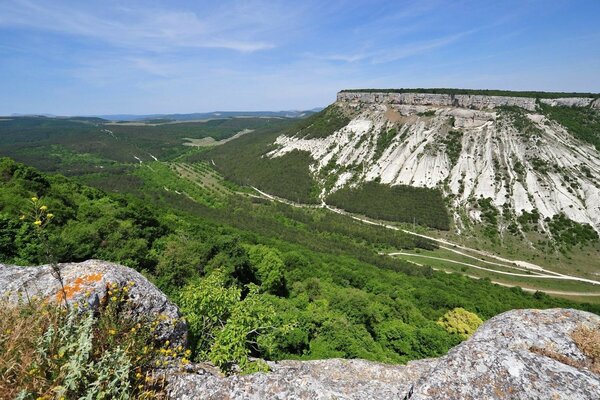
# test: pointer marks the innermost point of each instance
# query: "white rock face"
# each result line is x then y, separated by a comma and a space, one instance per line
529, 164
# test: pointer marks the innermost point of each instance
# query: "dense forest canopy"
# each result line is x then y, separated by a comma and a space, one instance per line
299, 297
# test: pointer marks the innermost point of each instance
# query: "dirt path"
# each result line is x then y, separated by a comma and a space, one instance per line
515, 264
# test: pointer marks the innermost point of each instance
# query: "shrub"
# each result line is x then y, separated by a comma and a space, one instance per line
48, 351
460, 322
225, 327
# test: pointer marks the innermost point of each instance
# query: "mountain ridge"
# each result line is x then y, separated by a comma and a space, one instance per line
494, 157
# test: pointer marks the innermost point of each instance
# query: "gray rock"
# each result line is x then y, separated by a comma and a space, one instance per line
321, 379
495, 363
521, 354
477, 102
87, 284
568, 101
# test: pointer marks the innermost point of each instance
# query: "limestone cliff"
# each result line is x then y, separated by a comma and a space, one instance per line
469, 146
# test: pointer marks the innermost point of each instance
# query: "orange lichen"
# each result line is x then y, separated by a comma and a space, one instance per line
78, 285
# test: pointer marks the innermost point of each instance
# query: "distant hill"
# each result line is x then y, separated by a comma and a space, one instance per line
209, 115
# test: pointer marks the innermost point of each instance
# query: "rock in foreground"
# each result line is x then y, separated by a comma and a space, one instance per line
87, 283
521, 354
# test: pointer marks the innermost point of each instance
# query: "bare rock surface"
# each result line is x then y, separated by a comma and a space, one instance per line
465, 146
521, 354
498, 362
87, 283
320, 379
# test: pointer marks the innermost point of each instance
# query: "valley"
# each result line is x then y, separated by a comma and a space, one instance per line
498, 224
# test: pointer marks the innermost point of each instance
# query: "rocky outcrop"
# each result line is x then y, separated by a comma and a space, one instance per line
521, 354
522, 161
568, 101
320, 379
477, 102
87, 284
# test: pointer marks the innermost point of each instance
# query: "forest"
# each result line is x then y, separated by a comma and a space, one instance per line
399, 203
308, 284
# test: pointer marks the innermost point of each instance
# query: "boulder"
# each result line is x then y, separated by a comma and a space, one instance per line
87, 284
521, 354
320, 379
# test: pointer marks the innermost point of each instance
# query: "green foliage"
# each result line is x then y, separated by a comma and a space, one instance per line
460, 322
244, 162
223, 326
519, 120
384, 139
49, 352
453, 143
394, 203
568, 233
489, 216
257, 279
321, 124
269, 269
482, 92
87, 223
428, 113
581, 122
79, 145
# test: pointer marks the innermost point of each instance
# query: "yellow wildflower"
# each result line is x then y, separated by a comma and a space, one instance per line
38, 222
50, 215
132, 329
22, 217
34, 199
43, 208
112, 332
138, 375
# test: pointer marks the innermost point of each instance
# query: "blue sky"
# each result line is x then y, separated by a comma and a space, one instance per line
102, 57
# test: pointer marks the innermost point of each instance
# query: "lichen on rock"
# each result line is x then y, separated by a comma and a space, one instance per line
87, 284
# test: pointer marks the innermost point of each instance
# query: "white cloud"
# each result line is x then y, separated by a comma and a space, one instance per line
142, 28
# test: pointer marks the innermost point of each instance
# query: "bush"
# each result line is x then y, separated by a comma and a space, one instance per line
460, 322
48, 351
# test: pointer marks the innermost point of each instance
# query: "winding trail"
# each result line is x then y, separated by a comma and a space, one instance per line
537, 272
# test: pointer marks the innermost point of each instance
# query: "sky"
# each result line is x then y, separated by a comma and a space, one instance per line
142, 57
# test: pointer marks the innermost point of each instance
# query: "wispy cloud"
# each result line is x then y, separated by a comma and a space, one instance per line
144, 28
390, 54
